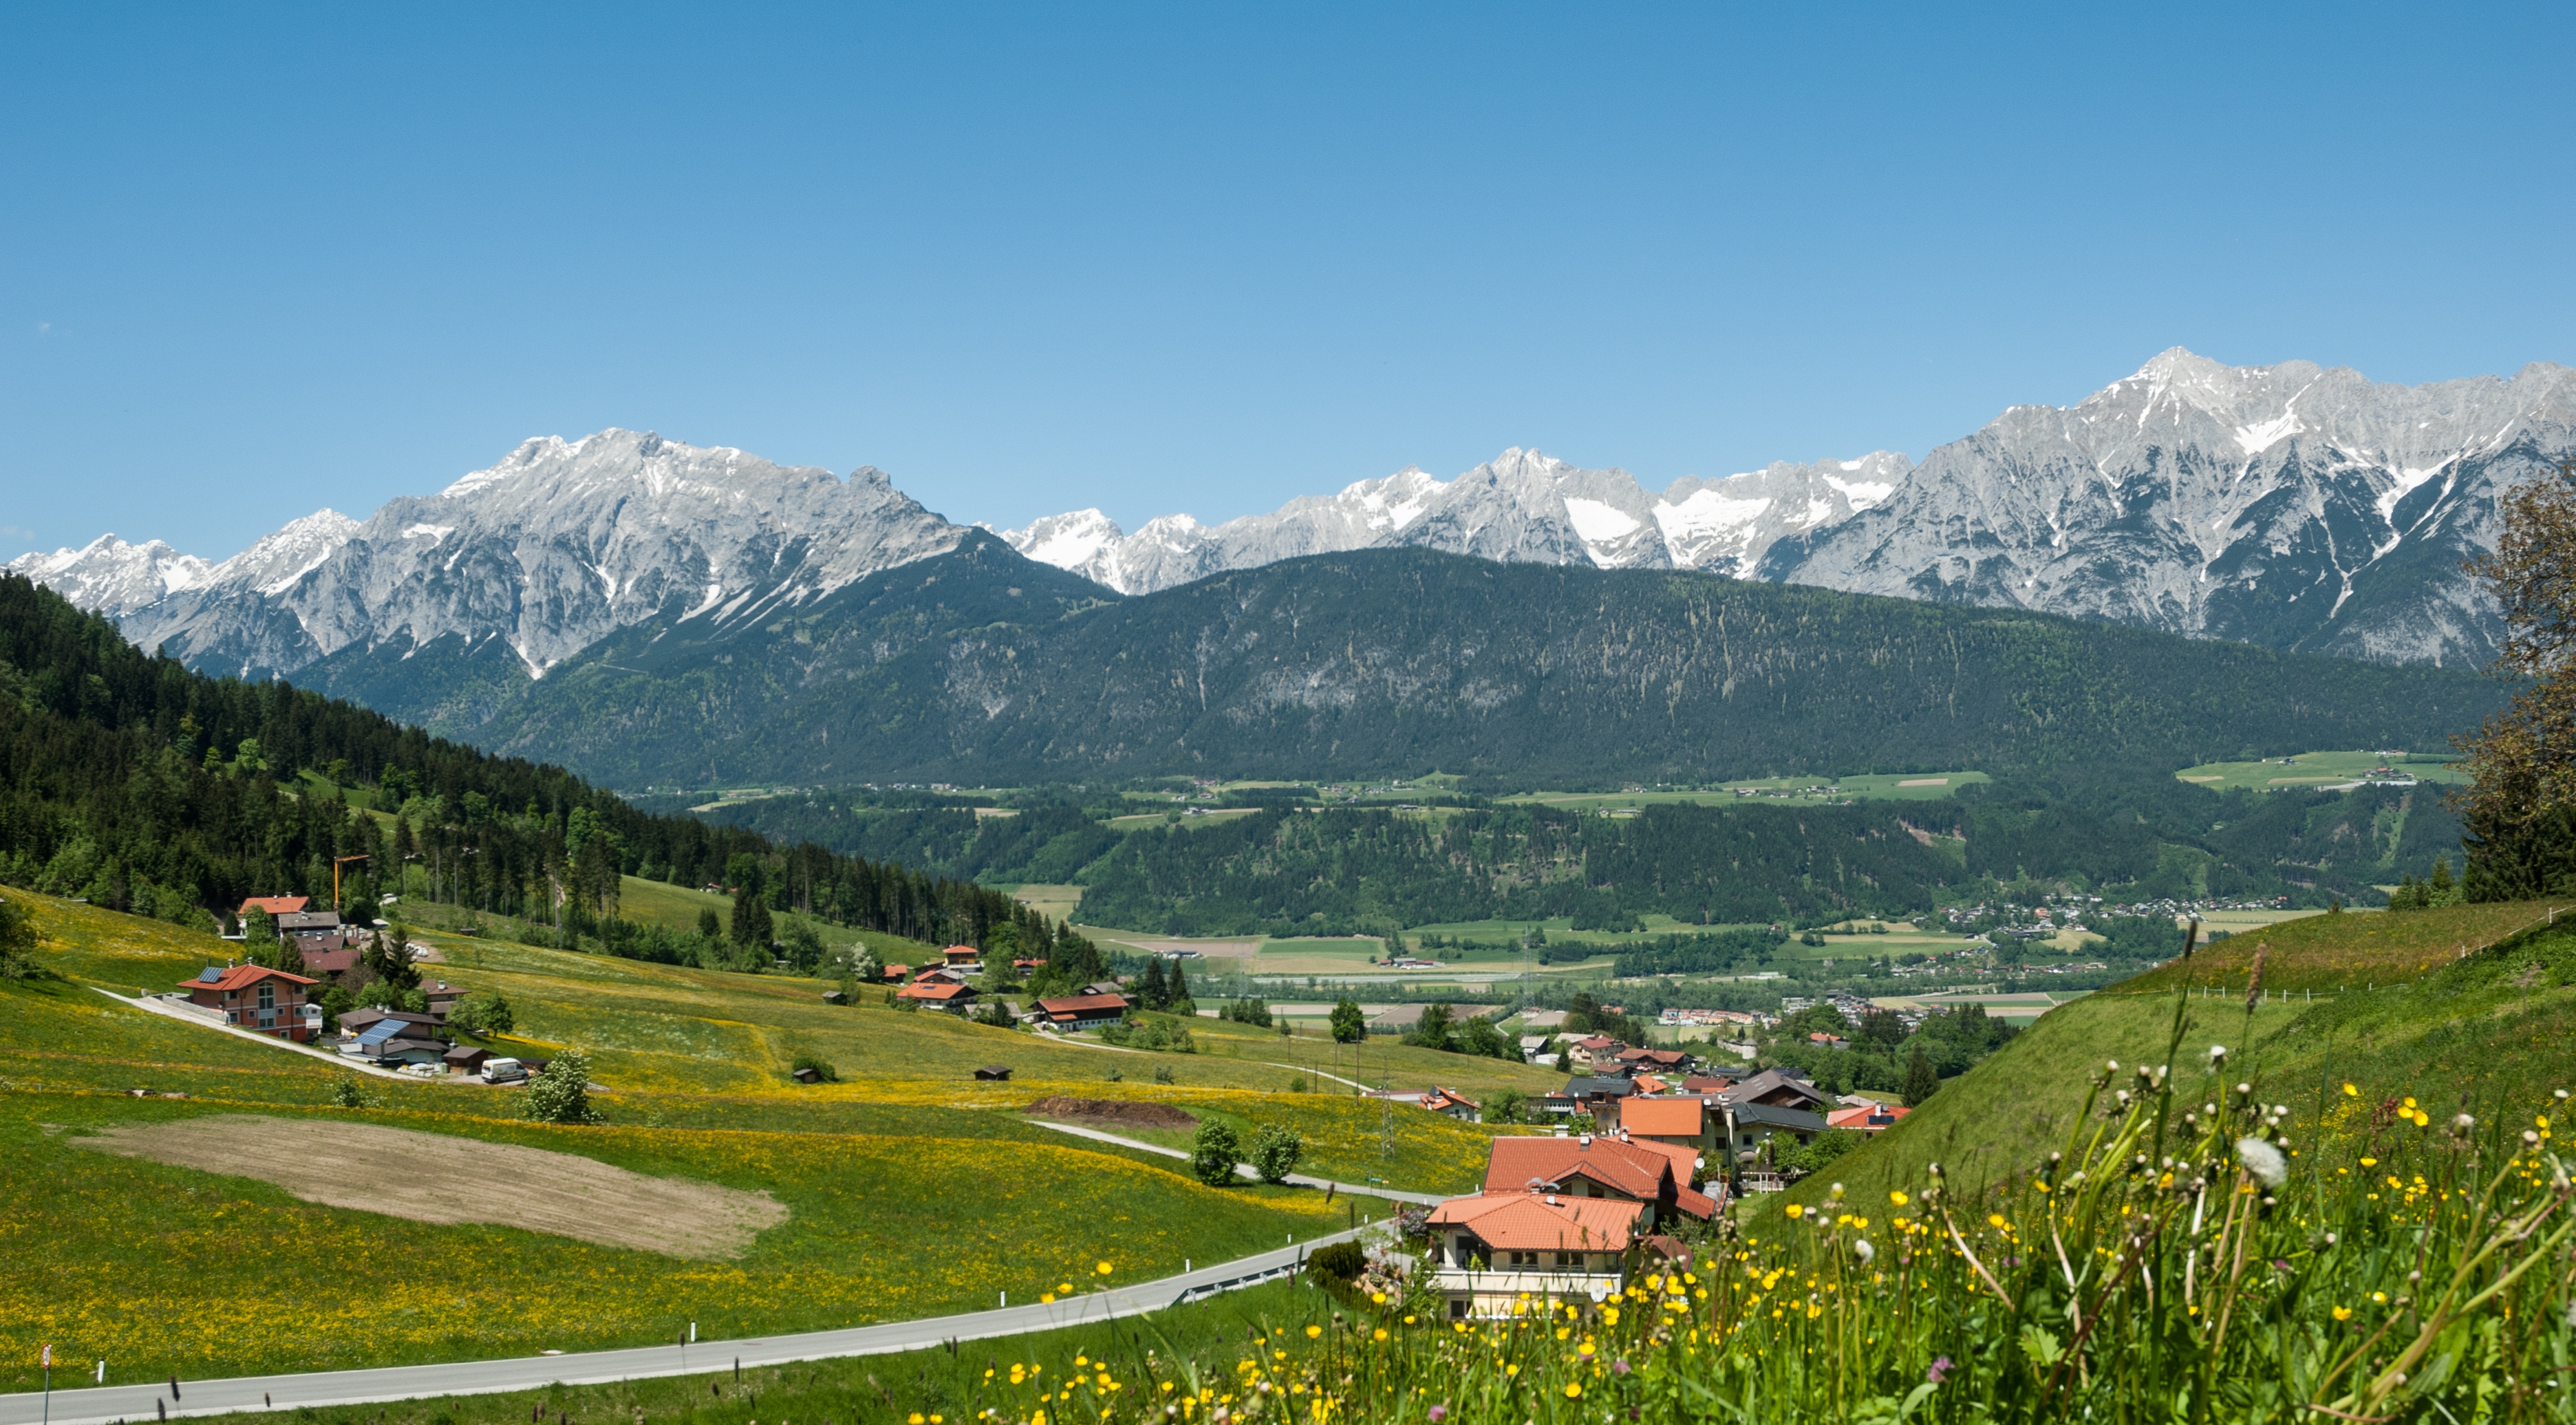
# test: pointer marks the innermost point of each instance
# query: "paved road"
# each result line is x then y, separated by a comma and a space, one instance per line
103, 1405
1241, 1170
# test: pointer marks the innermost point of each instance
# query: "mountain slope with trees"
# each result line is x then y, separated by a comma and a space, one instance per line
143, 786
981, 667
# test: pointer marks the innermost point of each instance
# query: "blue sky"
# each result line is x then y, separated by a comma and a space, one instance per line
255, 260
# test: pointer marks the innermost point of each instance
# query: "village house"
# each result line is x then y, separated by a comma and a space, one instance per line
1513, 1251
1448, 1104
1075, 1013
1867, 1118
939, 993
1555, 1222
330, 962
389, 1037
1683, 1120
314, 931
257, 997
1750, 1125
1600, 1165
964, 959
1594, 1054
1646, 1061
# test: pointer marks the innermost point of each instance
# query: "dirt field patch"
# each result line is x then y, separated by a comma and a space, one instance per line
431, 1177
1111, 1110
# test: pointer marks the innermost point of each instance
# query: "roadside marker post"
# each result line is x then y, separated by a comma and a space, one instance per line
46, 1358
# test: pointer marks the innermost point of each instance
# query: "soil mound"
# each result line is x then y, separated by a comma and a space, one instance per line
1113, 1110
432, 1177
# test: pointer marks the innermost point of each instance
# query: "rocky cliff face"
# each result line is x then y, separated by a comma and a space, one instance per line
554, 548
2292, 506
1521, 507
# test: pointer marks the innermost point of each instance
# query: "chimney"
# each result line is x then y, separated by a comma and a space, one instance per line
1586, 1140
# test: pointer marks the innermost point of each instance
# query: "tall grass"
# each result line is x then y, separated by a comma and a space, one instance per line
2179, 1257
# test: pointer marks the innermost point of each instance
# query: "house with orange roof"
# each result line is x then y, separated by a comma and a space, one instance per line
258, 998
1513, 1250
1599, 1165
942, 995
274, 905
1871, 1118
1448, 1103
963, 958
1680, 1119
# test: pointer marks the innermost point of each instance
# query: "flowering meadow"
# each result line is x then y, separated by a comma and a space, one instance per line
2178, 1257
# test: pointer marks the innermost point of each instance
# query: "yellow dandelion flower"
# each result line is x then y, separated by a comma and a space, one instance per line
1573, 1390
2343, 1313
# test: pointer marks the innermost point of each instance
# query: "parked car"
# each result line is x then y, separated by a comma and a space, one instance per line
504, 1071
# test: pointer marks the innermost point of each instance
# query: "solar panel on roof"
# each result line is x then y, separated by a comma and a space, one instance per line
379, 1033
211, 973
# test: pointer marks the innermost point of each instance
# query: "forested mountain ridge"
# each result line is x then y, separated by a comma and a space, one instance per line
982, 667
1351, 870
141, 785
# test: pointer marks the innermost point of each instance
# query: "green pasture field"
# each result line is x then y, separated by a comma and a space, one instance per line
938, 1176
2335, 952
1053, 902
1876, 786
2314, 769
2467, 1001
1138, 1353
659, 903
1309, 1049
1207, 816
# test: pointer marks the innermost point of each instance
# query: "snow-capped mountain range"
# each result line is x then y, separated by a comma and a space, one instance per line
559, 545
1521, 506
2291, 505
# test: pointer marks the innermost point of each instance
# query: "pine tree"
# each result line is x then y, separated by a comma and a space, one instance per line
2440, 890
1921, 1079
1149, 989
1177, 993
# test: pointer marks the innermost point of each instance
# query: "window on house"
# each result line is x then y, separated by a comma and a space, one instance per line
268, 997
1570, 1259
1524, 1259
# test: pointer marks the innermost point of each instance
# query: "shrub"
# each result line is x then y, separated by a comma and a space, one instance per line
347, 1092
562, 1093
1275, 1153
1339, 1261
1214, 1153
484, 1012
18, 944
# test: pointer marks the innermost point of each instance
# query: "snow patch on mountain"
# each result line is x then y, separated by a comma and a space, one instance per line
1523, 505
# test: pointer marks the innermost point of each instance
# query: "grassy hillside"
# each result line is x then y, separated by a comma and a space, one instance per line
910, 1189
2466, 1008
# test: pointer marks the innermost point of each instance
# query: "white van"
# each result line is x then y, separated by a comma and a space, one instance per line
504, 1071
